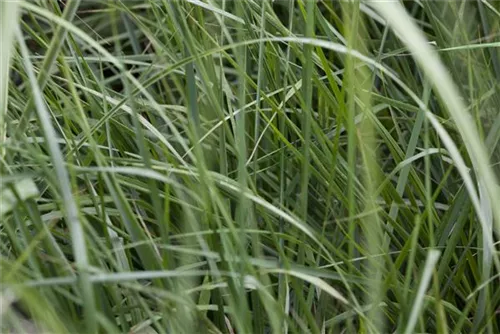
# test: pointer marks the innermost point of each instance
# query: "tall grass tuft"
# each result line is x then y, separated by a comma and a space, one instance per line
216, 166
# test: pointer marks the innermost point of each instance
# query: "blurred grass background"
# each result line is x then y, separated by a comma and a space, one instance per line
252, 166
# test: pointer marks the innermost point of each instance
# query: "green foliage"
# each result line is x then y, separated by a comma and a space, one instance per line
249, 166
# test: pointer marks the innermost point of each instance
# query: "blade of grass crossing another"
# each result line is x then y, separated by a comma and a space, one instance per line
307, 73
429, 267
70, 207
57, 41
403, 24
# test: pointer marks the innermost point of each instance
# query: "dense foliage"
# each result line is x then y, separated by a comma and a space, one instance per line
249, 166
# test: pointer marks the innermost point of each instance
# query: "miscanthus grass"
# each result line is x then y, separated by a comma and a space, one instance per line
223, 166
